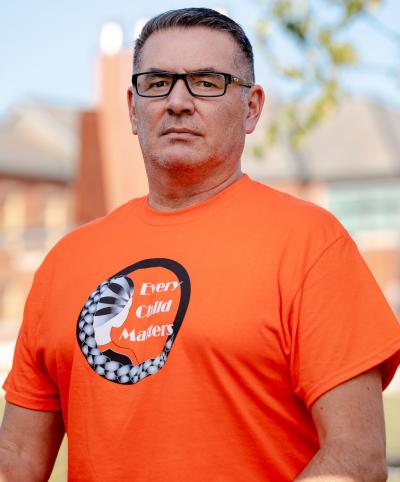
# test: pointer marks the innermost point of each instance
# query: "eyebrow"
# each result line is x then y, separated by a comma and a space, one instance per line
202, 69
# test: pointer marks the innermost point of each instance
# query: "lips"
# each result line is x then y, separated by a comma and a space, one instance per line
181, 131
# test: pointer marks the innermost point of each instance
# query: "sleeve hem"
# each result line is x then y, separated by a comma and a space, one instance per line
31, 403
346, 374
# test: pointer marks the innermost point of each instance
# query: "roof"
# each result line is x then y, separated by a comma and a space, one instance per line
40, 141
361, 140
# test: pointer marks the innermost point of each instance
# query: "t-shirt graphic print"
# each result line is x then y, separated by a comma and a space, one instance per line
127, 327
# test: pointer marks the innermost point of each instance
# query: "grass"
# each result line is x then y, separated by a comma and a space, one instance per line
59, 473
392, 417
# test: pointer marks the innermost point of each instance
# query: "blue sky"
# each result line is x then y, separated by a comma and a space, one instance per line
48, 48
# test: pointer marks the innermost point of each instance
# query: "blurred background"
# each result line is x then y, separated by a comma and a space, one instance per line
330, 131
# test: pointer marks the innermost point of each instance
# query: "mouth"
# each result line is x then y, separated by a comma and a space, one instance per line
180, 132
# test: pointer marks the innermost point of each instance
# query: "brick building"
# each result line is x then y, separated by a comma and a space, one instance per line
60, 168
38, 165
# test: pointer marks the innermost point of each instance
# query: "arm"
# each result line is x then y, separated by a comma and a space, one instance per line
29, 443
350, 425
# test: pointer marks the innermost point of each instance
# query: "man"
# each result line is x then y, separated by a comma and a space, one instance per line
216, 329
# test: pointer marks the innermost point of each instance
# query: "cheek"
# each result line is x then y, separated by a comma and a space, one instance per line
232, 123
147, 116
233, 112
146, 129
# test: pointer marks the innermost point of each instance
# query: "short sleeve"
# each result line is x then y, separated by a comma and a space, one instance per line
341, 324
28, 383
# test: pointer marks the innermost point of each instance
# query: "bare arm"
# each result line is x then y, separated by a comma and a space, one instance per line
350, 425
29, 443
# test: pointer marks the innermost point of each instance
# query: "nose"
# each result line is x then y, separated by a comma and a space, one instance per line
180, 100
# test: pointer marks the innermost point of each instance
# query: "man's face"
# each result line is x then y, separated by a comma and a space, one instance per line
215, 127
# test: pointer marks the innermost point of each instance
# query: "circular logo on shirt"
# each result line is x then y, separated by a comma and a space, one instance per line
129, 323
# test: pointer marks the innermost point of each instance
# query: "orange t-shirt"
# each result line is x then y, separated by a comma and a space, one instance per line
191, 345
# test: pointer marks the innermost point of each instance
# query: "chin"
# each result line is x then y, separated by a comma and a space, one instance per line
180, 162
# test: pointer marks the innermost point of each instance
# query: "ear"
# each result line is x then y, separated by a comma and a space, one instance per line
132, 110
255, 102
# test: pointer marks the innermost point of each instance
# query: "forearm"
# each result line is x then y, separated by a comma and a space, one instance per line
340, 462
29, 443
15, 466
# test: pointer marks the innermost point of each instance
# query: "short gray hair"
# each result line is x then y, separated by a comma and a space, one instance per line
196, 17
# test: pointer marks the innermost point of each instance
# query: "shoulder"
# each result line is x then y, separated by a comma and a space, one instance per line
102, 228
271, 198
94, 236
290, 216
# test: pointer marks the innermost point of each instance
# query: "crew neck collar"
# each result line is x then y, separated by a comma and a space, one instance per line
223, 197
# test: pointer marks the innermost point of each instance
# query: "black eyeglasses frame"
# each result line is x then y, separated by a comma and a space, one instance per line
229, 79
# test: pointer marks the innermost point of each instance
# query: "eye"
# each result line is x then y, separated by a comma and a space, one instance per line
155, 81
159, 83
206, 83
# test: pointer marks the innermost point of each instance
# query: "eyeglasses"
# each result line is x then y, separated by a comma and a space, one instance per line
199, 84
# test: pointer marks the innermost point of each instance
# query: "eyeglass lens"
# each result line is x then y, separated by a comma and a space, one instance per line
155, 84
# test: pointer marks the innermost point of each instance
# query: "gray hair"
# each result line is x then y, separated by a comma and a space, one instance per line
196, 17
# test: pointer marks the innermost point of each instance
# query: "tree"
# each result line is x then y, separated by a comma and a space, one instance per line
317, 30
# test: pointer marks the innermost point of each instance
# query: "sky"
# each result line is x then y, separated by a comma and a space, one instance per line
48, 49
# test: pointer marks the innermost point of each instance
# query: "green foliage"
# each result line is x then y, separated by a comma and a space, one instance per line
356, 7
272, 133
317, 32
343, 54
297, 28
258, 151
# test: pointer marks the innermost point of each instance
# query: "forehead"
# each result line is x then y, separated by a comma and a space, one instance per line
192, 48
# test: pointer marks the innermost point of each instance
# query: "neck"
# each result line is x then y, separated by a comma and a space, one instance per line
176, 189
